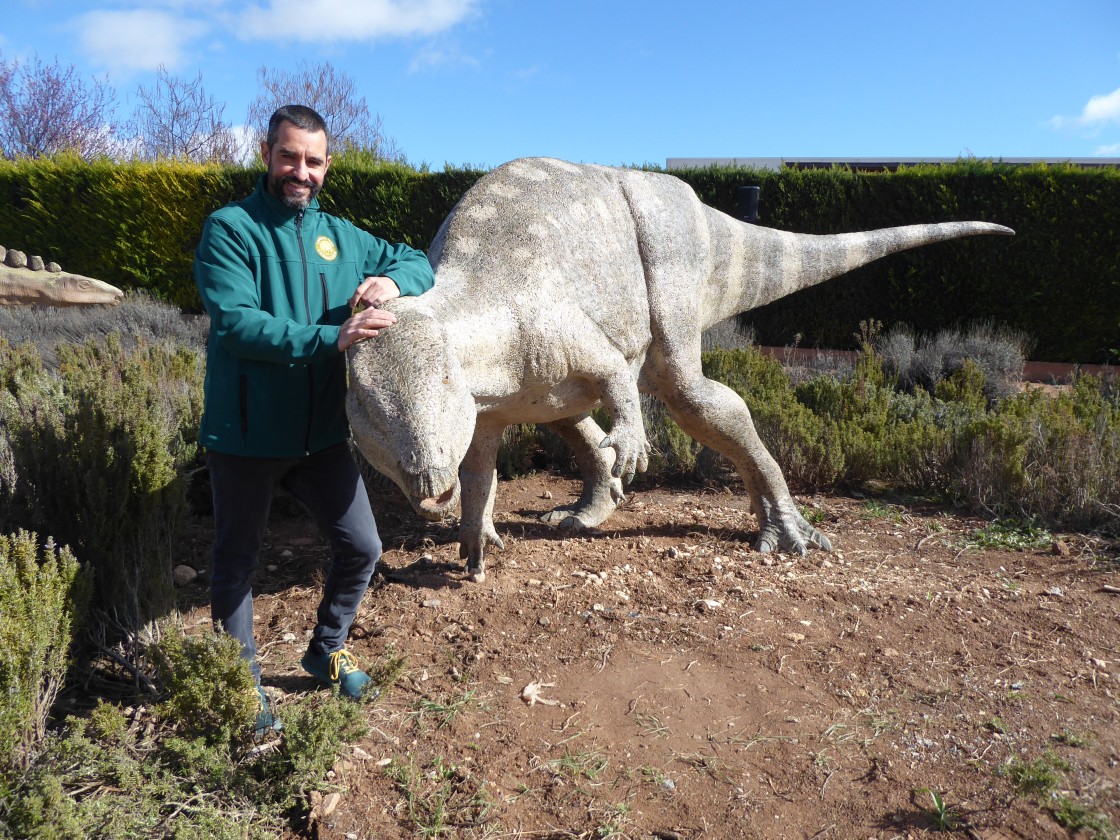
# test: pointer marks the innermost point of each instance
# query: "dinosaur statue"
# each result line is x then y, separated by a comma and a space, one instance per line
563, 286
27, 281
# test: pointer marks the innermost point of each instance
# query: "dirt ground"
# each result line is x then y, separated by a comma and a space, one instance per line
659, 678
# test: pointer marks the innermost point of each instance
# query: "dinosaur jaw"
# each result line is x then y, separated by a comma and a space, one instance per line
437, 508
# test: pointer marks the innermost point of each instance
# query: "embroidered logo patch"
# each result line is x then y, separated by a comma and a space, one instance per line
325, 248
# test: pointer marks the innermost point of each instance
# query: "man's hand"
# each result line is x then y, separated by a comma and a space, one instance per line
365, 324
374, 291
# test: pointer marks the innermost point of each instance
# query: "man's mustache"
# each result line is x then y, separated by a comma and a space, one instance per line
292, 179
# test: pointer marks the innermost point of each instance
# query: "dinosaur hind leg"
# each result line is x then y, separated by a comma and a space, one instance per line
717, 417
601, 490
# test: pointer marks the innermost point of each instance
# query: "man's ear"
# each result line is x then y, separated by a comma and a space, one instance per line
264, 152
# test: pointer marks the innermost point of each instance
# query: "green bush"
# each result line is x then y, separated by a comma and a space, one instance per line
186, 768
211, 692
1054, 458
44, 594
95, 454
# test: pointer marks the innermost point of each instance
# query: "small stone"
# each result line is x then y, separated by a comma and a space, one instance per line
184, 575
15, 259
708, 605
272, 567
432, 603
35, 263
890, 652
53, 267
795, 637
329, 804
361, 754
288, 637
1060, 548
546, 495
1054, 591
544, 621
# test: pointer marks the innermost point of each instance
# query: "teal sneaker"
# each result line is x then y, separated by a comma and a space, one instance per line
339, 668
267, 723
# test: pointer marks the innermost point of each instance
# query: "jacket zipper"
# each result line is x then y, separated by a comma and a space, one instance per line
307, 310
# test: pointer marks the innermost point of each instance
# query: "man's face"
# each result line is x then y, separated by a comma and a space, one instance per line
297, 164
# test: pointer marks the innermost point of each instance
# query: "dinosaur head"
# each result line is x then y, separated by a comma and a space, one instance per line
410, 409
54, 288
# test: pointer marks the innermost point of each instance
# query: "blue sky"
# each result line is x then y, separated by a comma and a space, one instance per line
484, 81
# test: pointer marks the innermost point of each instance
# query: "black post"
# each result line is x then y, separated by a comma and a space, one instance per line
746, 207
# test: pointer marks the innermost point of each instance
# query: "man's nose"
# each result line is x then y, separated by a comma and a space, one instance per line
300, 170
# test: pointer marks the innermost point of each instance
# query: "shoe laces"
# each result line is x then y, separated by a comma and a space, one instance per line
342, 662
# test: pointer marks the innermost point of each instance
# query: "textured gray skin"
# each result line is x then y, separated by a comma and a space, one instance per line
563, 286
49, 285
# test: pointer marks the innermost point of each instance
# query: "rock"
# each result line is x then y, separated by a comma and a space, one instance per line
35, 263
708, 605
432, 603
329, 804
53, 267
183, 575
15, 259
1060, 548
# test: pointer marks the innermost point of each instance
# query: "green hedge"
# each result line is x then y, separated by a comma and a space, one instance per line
136, 225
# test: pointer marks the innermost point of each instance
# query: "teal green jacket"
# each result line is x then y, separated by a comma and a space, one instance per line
276, 284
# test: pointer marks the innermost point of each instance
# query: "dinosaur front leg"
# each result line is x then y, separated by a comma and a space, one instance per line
602, 491
478, 481
628, 433
716, 416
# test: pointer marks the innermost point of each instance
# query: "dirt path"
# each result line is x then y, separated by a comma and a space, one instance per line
689, 687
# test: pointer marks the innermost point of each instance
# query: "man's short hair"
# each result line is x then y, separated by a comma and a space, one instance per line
301, 117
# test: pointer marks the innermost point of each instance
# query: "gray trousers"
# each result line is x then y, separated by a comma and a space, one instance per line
329, 485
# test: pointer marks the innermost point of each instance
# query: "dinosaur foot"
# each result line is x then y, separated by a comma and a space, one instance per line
578, 517
473, 550
784, 529
597, 503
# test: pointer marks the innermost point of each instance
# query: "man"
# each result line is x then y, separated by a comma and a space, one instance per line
279, 279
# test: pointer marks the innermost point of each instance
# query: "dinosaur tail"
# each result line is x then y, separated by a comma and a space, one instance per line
794, 261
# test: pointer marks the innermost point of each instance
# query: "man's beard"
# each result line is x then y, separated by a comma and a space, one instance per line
276, 187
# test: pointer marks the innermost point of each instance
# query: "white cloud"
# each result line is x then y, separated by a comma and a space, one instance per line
1099, 109
1104, 108
1107, 151
330, 21
136, 40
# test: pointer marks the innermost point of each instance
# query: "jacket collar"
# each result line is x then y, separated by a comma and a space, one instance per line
277, 210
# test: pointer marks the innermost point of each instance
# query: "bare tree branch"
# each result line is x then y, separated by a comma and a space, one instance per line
176, 119
46, 109
334, 96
